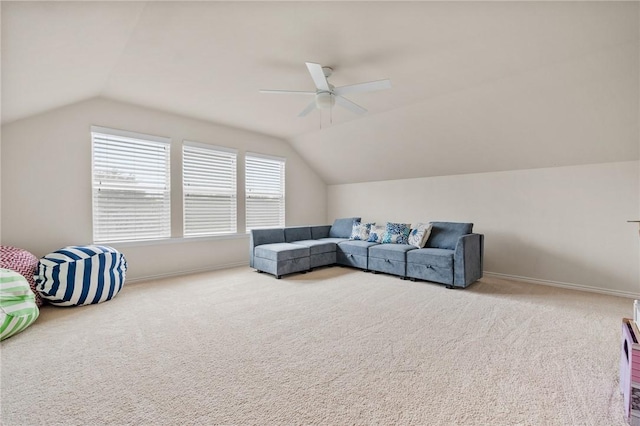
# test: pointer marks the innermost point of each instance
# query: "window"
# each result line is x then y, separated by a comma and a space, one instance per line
209, 179
131, 189
264, 191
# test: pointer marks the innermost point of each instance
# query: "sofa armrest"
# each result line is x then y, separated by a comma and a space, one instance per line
468, 259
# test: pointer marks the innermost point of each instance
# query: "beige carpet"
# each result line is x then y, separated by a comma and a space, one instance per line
336, 346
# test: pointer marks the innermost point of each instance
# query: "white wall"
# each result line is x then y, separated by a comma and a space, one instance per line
46, 184
562, 225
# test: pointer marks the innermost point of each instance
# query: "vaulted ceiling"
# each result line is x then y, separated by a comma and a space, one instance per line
477, 86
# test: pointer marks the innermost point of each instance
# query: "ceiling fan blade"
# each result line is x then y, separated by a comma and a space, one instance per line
287, 92
344, 102
318, 76
308, 109
363, 87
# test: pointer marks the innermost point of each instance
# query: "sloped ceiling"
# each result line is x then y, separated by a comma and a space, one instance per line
477, 86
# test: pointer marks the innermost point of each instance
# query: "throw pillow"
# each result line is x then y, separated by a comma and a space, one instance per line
420, 234
396, 233
377, 233
360, 231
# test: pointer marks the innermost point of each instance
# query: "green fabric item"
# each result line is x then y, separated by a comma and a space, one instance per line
18, 309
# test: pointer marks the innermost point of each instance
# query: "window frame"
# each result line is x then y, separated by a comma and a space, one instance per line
104, 133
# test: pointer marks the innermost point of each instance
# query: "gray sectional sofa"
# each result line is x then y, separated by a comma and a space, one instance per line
453, 254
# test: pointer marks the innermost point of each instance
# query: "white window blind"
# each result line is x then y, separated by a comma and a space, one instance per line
209, 179
131, 189
265, 201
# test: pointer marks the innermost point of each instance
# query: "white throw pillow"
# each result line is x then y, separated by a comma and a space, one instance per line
420, 234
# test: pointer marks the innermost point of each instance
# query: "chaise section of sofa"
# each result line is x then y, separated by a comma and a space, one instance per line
272, 254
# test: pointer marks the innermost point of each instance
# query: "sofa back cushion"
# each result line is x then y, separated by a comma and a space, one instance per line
444, 235
267, 236
341, 228
321, 231
298, 233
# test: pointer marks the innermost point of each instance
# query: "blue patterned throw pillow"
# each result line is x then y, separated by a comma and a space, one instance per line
360, 231
377, 233
396, 233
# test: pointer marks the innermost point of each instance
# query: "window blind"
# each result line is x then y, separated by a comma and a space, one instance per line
265, 198
131, 188
209, 179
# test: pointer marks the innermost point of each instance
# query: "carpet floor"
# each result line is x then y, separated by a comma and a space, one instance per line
335, 346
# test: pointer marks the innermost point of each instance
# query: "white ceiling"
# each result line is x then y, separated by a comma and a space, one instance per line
477, 86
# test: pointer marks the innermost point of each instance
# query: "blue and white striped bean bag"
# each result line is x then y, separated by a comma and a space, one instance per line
81, 275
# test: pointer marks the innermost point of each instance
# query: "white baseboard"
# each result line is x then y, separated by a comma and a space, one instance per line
186, 272
571, 286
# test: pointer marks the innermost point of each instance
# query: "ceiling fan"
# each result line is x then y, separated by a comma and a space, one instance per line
326, 95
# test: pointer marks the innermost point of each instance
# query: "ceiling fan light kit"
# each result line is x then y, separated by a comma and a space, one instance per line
326, 95
325, 100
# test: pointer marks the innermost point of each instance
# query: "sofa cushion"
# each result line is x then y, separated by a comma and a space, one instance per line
298, 233
321, 231
390, 251
281, 251
445, 235
396, 233
341, 228
359, 248
376, 234
441, 258
267, 236
419, 234
333, 240
360, 231
317, 246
